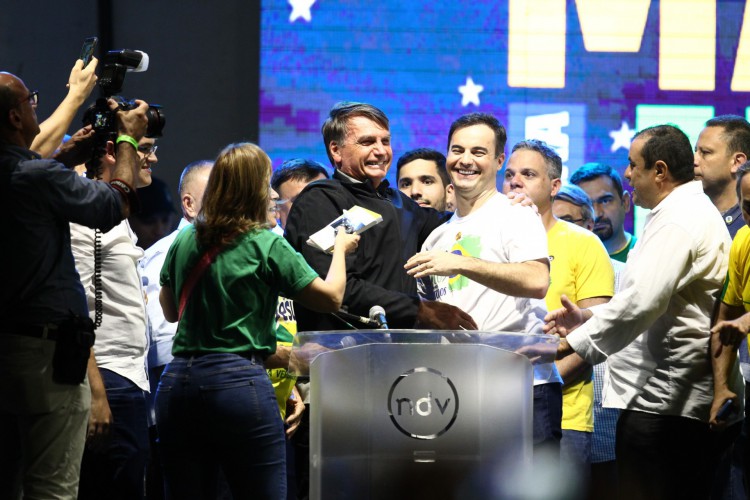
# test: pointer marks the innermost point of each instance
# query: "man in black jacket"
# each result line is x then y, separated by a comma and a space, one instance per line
358, 143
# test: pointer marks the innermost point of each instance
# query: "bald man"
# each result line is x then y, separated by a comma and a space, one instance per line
192, 185
45, 334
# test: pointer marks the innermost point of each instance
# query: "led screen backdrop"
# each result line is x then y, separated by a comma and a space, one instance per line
582, 75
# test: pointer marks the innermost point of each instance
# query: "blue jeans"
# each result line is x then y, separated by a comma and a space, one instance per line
116, 469
219, 411
575, 447
547, 416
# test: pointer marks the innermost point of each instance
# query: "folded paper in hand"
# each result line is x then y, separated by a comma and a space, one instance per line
355, 220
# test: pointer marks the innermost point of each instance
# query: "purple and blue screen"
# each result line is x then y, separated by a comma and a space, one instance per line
582, 75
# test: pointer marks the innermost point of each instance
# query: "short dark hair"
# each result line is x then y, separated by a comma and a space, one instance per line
425, 154
590, 171
736, 132
669, 144
297, 169
551, 159
741, 171
578, 197
334, 128
481, 119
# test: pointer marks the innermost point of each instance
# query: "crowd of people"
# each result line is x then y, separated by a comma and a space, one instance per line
136, 362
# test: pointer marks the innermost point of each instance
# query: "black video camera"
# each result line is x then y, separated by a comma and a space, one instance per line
104, 120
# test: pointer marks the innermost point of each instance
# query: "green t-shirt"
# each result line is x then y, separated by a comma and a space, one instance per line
233, 305
622, 254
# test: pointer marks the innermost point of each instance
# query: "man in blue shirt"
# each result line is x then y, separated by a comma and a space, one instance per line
43, 408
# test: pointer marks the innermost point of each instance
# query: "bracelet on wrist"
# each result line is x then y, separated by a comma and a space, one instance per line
128, 139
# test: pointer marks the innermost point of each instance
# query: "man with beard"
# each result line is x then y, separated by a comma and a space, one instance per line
603, 185
422, 177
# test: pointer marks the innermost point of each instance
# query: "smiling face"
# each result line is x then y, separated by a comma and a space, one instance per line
365, 152
146, 159
471, 161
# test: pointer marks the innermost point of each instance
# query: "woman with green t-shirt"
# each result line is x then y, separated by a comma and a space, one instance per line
215, 404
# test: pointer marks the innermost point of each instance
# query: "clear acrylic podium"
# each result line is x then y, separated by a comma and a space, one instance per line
418, 414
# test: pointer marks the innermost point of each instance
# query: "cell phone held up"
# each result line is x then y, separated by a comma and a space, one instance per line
87, 50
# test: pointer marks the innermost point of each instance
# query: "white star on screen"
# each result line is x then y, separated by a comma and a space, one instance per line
470, 92
621, 138
301, 8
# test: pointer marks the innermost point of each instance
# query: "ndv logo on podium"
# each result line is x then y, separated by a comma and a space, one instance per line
423, 403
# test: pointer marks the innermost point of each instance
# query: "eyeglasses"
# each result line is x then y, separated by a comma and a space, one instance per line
273, 208
32, 98
148, 149
568, 218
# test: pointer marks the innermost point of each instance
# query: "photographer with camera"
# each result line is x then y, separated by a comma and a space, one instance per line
116, 451
45, 334
114, 459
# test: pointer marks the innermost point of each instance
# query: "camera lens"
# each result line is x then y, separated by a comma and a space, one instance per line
156, 121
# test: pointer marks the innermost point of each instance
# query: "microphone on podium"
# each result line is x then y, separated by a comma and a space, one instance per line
377, 314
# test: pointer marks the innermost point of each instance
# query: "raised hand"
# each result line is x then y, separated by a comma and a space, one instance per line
564, 320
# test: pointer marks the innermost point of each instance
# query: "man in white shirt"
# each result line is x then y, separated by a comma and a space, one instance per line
192, 184
116, 450
491, 257
655, 330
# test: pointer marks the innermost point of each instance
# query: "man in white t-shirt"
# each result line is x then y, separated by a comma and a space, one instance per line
491, 257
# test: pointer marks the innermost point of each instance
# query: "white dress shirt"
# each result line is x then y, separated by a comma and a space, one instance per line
121, 341
161, 331
655, 330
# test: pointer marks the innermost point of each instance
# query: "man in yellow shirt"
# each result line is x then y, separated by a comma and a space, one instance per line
579, 268
733, 321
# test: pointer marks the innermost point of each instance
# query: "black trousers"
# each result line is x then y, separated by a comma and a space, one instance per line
664, 457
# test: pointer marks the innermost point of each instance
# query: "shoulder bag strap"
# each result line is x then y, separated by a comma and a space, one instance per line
195, 275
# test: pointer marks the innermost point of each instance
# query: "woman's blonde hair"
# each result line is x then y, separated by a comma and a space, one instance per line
236, 198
